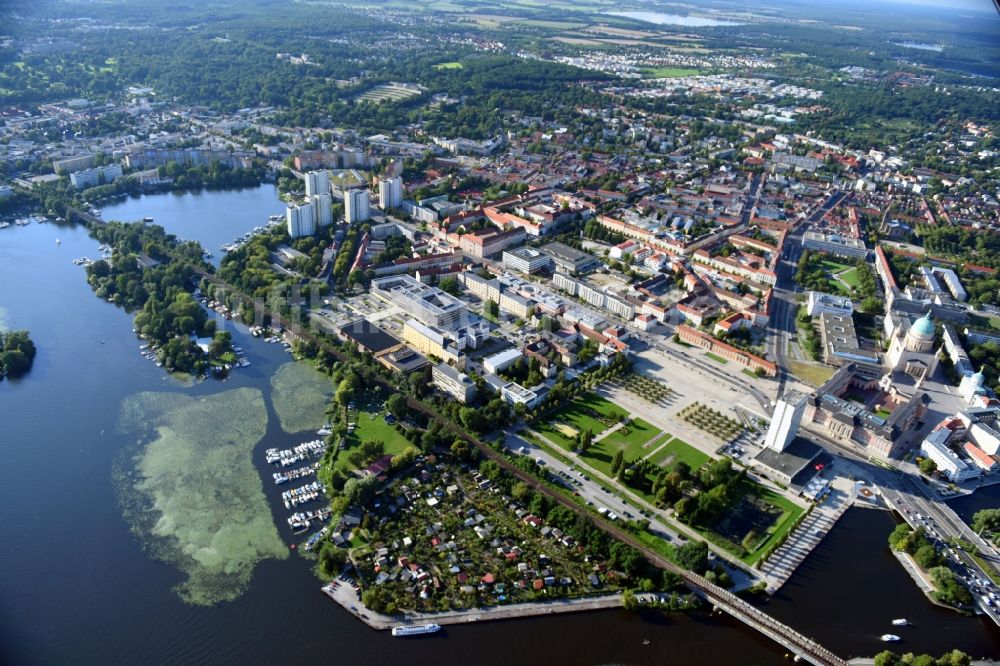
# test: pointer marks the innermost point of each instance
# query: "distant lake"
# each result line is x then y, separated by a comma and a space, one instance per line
675, 19
938, 48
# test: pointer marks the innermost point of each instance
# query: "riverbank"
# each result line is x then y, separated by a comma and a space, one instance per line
345, 595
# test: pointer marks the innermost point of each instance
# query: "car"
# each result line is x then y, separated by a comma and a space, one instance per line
539, 461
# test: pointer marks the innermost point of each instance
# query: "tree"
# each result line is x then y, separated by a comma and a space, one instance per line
491, 309
927, 556
986, 520
927, 466
396, 404
693, 556
584, 440
629, 602
617, 461
450, 285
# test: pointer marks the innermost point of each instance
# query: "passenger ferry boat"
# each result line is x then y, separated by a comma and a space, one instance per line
415, 629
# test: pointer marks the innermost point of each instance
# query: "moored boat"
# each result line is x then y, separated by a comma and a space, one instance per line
415, 629
890, 638
899, 622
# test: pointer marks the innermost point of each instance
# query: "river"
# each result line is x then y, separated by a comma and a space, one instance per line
76, 585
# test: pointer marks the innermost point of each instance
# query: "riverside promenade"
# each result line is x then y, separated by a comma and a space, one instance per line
345, 595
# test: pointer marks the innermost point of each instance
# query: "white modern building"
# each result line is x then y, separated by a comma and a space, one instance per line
785, 421
935, 446
357, 206
317, 182
390, 193
454, 383
102, 175
322, 209
301, 220
526, 260
502, 360
428, 304
818, 303
841, 246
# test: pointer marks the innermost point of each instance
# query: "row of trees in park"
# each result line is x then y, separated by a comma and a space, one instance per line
949, 589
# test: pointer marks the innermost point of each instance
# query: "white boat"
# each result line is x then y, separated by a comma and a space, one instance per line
890, 638
899, 622
415, 629
58, 242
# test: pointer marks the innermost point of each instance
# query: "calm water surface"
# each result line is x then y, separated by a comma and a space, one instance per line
75, 586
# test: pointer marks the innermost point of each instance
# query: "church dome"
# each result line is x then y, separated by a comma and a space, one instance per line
923, 327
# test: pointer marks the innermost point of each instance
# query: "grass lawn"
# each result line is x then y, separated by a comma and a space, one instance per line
811, 373
680, 451
883, 413
790, 513
449, 65
750, 373
668, 72
717, 359
782, 524
576, 416
850, 278
369, 426
639, 432
835, 266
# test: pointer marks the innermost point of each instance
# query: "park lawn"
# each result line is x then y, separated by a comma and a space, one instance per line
835, 266
449, 65
681, 452
850, 278
750, 373
639, 432
790, 512
367, 427
811, 373
575, 416
668, 72
717, 359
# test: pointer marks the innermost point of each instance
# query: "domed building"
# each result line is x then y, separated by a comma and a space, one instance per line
920, 336
911, 352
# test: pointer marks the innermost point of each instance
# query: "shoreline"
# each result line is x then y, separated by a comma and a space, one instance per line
346, 596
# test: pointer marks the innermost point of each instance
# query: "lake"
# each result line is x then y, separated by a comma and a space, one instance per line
660, 18
77, 586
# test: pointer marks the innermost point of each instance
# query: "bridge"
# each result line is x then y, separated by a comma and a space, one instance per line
86, 217
803, 647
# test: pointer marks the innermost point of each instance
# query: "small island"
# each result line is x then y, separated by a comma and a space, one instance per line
17, 353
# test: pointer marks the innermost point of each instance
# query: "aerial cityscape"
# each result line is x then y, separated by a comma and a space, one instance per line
500, 331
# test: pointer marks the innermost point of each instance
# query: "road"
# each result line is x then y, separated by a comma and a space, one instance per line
781, 325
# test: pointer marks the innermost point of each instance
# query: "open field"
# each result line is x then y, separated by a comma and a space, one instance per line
811, 373
388, 93
449, 65
679, 451
668, 72
579, 416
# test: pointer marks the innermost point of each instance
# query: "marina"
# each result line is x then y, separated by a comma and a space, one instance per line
292, 475
302, 495
288, 457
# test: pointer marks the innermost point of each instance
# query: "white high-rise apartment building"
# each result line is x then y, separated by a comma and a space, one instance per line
356, 206
322, 210
301, 220
390, 193
785, 421
317, 182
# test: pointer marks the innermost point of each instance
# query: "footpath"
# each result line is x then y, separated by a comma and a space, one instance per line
345, 595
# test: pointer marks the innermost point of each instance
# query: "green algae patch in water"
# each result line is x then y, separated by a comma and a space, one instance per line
300, 394
189, 490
